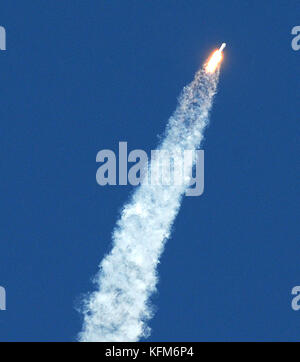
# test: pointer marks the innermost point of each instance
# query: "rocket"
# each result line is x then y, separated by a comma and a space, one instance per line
222, 47
215, 59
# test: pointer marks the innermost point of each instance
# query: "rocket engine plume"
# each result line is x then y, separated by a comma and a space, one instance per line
215, 59
119, 308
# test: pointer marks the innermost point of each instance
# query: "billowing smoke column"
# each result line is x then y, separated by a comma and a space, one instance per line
120, 308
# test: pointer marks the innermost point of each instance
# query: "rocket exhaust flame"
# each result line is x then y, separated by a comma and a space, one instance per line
119, 308
215, 59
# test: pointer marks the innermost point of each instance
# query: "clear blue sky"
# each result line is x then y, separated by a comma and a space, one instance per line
80, 76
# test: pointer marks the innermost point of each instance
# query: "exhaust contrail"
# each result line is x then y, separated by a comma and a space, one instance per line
119, 308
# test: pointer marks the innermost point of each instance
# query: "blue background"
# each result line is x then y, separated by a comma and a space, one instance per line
80, 76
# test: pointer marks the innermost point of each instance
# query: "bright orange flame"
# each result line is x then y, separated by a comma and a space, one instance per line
214, 61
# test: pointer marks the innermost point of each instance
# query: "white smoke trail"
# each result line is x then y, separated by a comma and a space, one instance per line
119, 309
